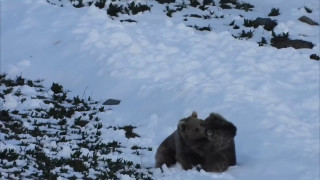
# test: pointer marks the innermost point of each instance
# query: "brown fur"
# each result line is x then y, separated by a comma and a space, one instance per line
181, 144
220, 152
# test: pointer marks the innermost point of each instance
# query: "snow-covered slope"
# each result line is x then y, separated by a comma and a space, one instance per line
162, 71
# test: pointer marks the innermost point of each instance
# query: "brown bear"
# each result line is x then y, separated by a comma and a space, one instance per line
220, 152
180, 146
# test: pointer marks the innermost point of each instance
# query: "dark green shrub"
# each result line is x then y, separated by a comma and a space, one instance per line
208, 2
100, 3
195, 16
314, 57
262, 42
114, 9
250, 23
194, 3
279, 38
205, 28
236, 27
129, 131
166, 1
274, 12
9, 154
244, 34
56, 88
232, 23
244, 6
78, 3
135, 9
308, 10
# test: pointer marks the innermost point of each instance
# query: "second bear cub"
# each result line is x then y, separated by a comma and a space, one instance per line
220, 152
181, 144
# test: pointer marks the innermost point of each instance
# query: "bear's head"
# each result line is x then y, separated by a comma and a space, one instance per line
218, 130
192, 128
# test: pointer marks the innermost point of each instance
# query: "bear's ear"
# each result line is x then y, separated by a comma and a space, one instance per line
182, 125
194, 114
209, 132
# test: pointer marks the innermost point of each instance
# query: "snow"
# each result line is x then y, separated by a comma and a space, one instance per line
162, 71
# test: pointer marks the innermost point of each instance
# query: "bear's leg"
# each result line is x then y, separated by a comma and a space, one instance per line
165, 156
216, 162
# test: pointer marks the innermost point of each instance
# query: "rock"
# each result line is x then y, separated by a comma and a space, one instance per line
309, 21
267, 23
296, 43
112, 102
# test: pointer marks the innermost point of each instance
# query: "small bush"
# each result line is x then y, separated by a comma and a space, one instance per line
100, 3
234, 2
129, 131
114, 9
135, 9
274, 12
314, 57
194, 3
250, 23
179, 7
166, 1
244, 6
245, 34
226, 4
279, 38
232, 23
205, 28
78, 3
308, 10
195, 16
56, 88
9, 154
262, 42
208, 2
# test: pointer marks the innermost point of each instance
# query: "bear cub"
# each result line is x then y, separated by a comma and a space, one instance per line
220, 151
180, 146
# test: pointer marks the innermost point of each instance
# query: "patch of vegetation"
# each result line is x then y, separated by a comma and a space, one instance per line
274, 12
9, 155
136, 8
250, 23
229, 4
267, 23
114, 9
179, 7
205, 28
308, 10
262, 42
194, 3
195, 16
131, 9
69, 124
244, 6
77, 3
283, 41
244, 34
129, 131
277, 38
165, 1
56, 88
315, 57
128, 20
100, 3
208, 2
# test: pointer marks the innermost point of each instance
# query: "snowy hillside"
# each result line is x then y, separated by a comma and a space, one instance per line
162, 67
